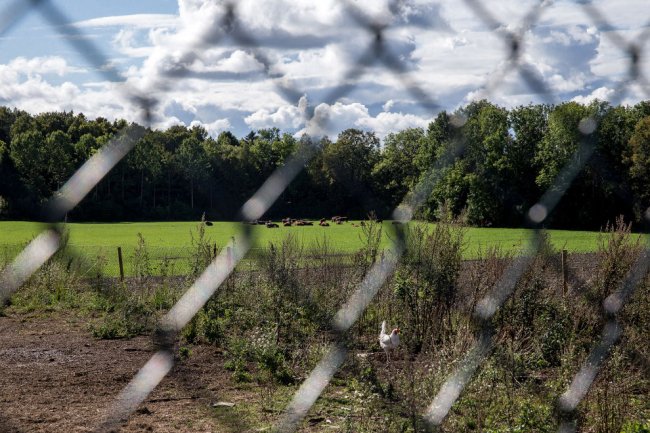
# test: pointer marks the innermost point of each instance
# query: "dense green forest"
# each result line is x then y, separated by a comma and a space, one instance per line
509, 158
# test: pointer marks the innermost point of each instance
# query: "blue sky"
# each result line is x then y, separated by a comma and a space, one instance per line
33, 35
309, 47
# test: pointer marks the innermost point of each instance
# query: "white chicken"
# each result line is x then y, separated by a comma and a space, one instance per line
390, 341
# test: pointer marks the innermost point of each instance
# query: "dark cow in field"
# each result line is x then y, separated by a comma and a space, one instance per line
288, 222
271, 225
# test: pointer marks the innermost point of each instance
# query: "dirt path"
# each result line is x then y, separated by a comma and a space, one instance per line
55, 377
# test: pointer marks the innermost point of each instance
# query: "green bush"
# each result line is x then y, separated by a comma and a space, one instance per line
425, 281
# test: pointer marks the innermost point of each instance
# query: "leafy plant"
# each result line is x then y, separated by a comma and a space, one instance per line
425, 282
140, 260
202, 248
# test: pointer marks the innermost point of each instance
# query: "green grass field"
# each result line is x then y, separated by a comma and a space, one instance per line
173, 239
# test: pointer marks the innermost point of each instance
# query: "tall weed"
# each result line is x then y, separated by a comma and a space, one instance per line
425, 281
618, 249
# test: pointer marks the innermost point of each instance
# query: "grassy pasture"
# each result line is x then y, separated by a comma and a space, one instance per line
174, 239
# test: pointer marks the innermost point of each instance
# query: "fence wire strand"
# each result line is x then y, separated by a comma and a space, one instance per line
228, 26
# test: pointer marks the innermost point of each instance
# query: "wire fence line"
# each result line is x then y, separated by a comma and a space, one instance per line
94, 261
44, 246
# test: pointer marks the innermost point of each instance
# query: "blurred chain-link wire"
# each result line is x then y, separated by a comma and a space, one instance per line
226, 25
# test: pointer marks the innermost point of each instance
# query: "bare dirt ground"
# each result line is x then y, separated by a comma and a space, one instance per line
55, 377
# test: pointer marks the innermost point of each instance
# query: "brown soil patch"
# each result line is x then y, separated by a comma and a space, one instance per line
55, 377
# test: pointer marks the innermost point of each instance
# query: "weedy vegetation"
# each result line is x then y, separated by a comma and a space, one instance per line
272, 320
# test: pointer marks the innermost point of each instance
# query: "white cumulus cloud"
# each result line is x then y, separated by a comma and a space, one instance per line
134, 20
213, 128
331, 119
602, 94
219, 80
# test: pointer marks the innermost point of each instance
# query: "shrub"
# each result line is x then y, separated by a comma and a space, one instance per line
617, 251
51, 287
140, 260
533, 325
371, 234
425, 282
281, 268
128, 318
201, 254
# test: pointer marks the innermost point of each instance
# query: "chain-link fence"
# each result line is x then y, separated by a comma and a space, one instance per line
157, 261
228, 27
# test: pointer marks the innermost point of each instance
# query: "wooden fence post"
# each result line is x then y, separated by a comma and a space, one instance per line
564, 273
119, 259
214, 251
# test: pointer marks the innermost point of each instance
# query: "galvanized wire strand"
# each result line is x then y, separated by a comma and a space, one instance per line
95, 57
205, 286
599, 20
15, 12
514, 46
150, 375
383, 54
537, 214
612, 330
230, 27
632, 49
91, 172
358, 302
314, 385
243, 39
487, 307
65, 199
85, 178
161, 363
27, 262
437, 411
484, 311
188, 53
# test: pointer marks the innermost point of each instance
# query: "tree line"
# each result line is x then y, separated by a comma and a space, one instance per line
497, 163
